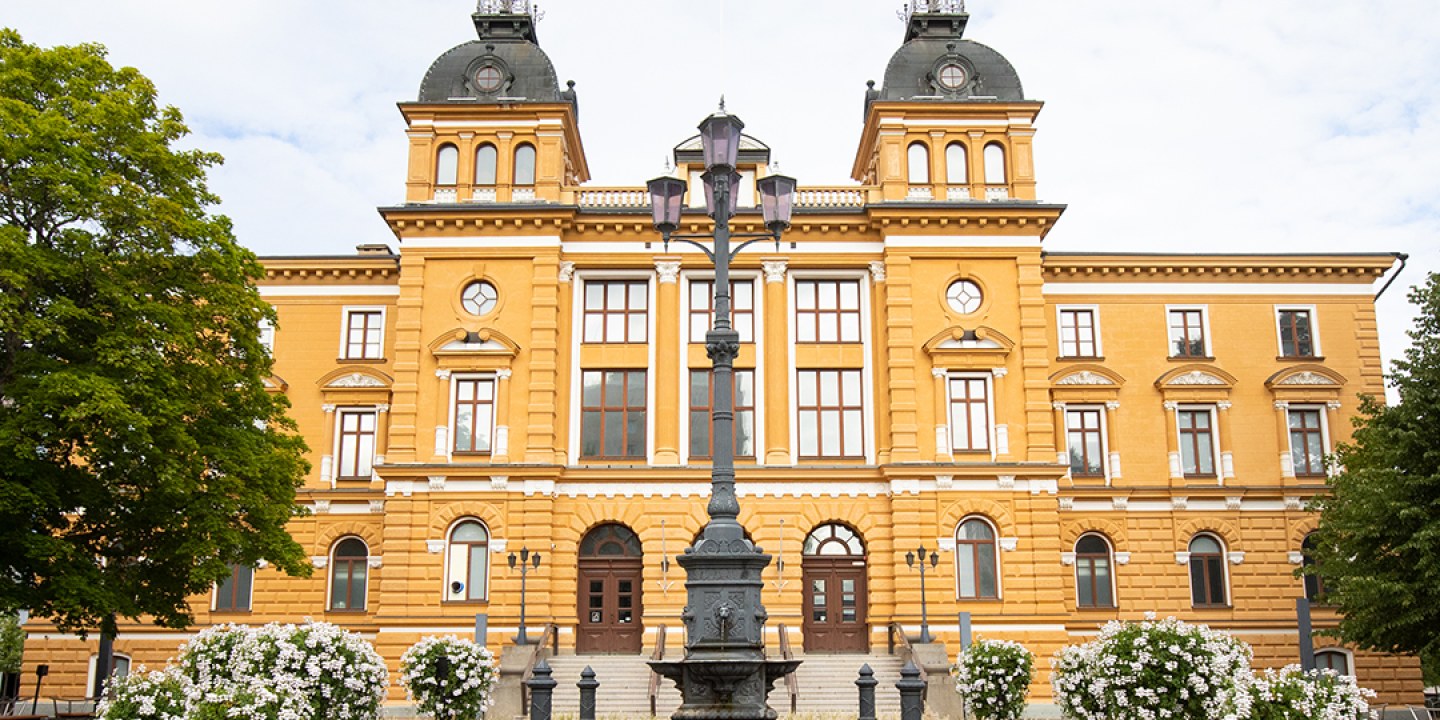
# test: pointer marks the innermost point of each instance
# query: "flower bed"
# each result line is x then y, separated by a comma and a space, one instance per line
461, 688
994, 676
1321, 694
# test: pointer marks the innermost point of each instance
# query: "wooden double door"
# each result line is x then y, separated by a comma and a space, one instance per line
609, 595
835, 612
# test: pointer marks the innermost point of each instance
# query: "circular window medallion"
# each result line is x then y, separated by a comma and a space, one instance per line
479, 297
964, 296
488, 78
952, 76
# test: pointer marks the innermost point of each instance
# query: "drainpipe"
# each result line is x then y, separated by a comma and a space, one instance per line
1402, 257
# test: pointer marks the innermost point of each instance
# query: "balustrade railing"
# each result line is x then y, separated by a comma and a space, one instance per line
997, 192
614, 197
444, 195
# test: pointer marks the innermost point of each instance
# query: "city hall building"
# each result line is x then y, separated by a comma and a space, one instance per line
1078, 437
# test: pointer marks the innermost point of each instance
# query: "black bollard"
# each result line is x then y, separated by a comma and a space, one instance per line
587, 686
867, 683
542, 690
912, 692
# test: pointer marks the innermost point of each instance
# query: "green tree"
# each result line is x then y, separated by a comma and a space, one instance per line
1378, 545
140, 454
12, 643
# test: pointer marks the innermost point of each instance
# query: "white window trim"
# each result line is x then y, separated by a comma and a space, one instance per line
1095, 319
991, 432
1204, 328
999, 570
94, 660
330, 573
345, 329
455, 379
910, 174
867, 381
577, 339
964, 179
249, 601
1314, 332
758, 296
267, 330
1224, 568
1217, 463
1110, 553
489, 548
340, 411
1104, 435
1324, 431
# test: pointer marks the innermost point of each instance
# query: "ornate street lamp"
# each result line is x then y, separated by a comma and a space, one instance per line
528, 561
924, 615
724, 673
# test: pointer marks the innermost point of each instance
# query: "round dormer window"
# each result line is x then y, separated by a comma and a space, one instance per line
479, 297
488, 78
964, 297
952, 76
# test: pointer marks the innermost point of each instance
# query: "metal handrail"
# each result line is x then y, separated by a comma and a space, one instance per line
658, 654
551, 633
896, 629
791, 685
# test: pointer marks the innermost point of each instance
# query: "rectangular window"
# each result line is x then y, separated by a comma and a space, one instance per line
612, 414
1078, 333
969, 414
233, 593
1187, 333
1297, 340
267, 336
364, 333
1197, 443
702, 309
1083, 432
356, 444
1307, 442
474, 414
831, 414
702, 403
616, 311
827, 311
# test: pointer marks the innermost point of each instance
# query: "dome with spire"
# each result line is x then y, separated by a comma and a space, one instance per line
937, 63
505, 64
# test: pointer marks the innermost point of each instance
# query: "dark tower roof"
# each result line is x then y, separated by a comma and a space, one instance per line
937, 63
505, 64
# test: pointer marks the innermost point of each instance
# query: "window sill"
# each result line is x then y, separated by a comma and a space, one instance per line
354, 479
612, 460
1097, 608
231, 611
1090, 477
361, 361
471, 453
1212, 607
1088, 358
1305, 358
465, 602
1192, 358
1201, 476
357, 611
978, 599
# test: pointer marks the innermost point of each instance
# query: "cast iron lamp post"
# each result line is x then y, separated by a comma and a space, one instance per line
724, 674
924, 616
528, 561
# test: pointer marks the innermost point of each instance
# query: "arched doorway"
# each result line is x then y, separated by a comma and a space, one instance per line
833, 570
609, 596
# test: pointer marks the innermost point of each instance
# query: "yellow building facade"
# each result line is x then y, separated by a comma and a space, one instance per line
1079, 437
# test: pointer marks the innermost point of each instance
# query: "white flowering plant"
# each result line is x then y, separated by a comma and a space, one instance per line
1321, 694
1154, 670
465, 691
994, 676
141, 695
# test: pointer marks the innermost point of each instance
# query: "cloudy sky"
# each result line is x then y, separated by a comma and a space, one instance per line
1208, 125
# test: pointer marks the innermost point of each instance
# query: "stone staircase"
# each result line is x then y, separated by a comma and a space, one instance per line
826, 685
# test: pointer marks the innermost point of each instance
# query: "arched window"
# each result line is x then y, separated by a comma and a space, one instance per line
525, 165
957, 171
119, 668
833, 539
610, 540
467, 561
1314, 584
1207, 572
994, 164
447, 165
1094, 583
485, 159
975, 556
348, 574
1337, 660
919, 163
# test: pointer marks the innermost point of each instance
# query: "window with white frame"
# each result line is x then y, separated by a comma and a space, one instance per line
616, 311
364, 334
447, 165
702, 403
1337, 660
349, 574
830, 414
1079, 332
702, 309
994, 164
1307, 440
474, 410
1188, 332
918, 160
1094, 580
1085, 440
969, 413
354, 443
827, 311
485, 164
467, 561
524, 165
956, 170
977, 565
233, 593
119, 668
1196, 429
1208, 586
1296, 328
267, 335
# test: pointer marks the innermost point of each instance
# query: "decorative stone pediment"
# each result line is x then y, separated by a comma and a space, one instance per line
969, 349
1195, 377
355, 377
1196, 383
1085, 377
1306, 383
355, 380
1085, 383
275, 383
474, 349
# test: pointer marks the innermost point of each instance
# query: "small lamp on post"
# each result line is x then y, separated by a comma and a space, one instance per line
666, 194
910, 558
527, 561
777, 202
442, 680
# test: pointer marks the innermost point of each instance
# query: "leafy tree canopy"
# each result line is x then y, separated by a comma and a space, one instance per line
1378, 545
140, 453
